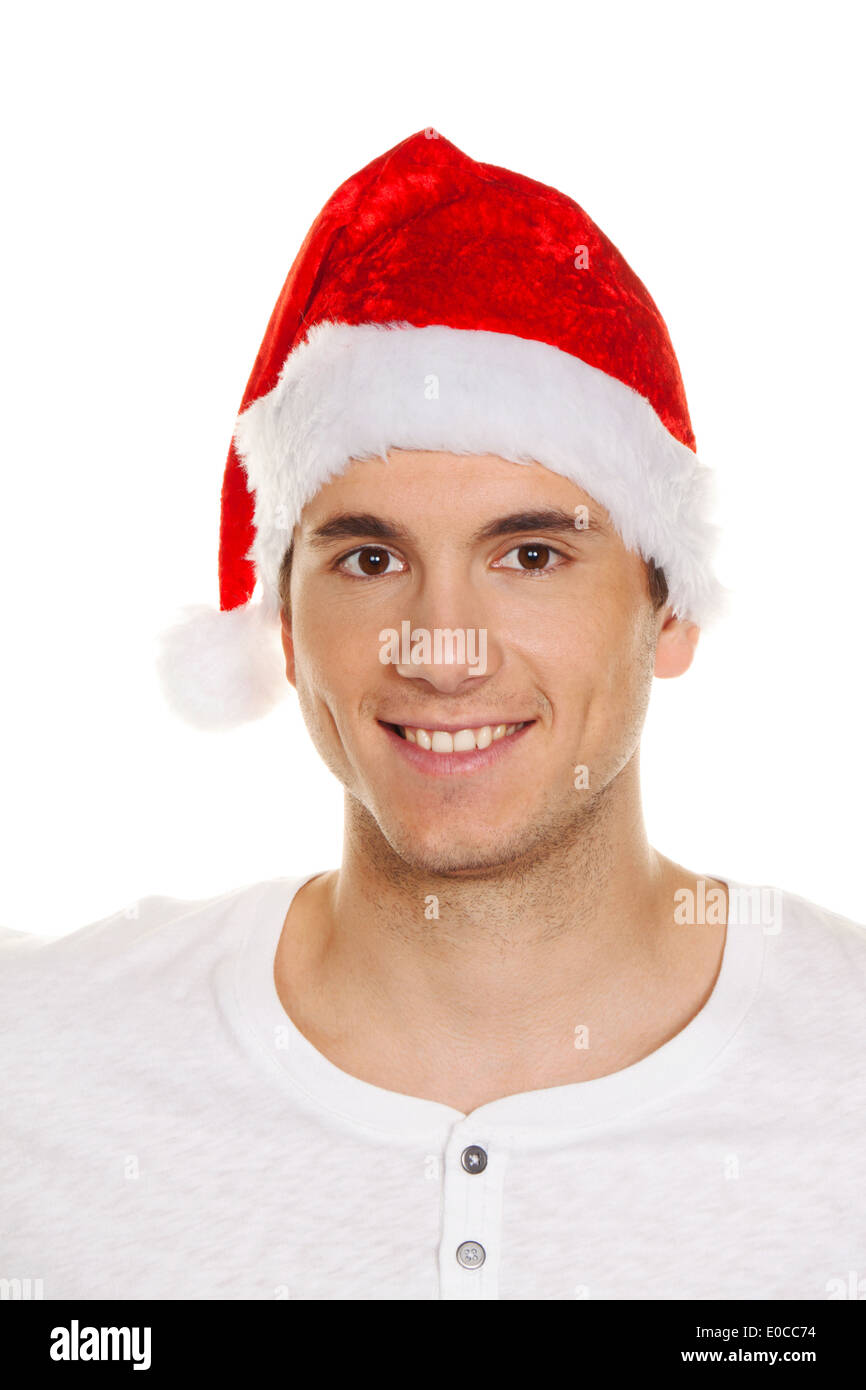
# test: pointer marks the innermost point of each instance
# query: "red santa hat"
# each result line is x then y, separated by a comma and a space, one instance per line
442, 304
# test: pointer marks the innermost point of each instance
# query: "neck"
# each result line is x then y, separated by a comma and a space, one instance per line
488, 975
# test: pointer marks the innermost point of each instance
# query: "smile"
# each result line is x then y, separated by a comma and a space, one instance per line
461, 741
442, 752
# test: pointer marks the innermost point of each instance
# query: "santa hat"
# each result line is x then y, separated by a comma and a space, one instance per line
442, 304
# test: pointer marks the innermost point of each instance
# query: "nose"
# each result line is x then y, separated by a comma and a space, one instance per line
445, 658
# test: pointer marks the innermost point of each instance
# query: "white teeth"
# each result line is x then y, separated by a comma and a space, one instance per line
464, 741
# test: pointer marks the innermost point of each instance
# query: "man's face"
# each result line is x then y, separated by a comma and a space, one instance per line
439, 541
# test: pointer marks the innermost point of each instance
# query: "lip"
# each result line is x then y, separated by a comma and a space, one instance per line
476, 722
454, 764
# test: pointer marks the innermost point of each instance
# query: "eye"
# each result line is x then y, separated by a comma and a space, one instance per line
368, 562
533, 557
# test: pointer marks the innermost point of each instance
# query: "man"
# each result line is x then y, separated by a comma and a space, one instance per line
507, 1050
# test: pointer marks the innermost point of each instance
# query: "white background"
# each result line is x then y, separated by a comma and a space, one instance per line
161, 165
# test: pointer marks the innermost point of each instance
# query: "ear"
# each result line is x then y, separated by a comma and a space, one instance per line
288, 645
676, 645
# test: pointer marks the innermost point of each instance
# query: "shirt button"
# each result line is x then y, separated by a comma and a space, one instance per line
474, 1159
470, 1254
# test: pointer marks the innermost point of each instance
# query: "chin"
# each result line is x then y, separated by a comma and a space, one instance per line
447, 851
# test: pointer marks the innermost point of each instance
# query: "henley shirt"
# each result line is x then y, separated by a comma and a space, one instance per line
167, 1132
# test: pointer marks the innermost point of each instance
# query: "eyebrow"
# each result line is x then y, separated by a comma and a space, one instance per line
548, 519
351, 525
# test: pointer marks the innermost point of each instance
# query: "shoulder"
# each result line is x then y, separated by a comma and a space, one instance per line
136, 944
813, 930
814, 959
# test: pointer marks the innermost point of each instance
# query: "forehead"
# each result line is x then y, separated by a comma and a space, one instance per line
462, 491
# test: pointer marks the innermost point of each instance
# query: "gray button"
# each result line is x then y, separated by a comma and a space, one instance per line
474, 1159
470, 1254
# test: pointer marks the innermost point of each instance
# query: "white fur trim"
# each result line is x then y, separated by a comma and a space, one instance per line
218, 669
356, 391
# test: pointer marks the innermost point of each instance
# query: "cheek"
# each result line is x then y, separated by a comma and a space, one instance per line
322, 704
323, 648
319, 672
336, 667
336, 632
608, 666
629, 682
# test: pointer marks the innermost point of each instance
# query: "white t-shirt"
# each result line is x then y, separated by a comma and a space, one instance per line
168, 1133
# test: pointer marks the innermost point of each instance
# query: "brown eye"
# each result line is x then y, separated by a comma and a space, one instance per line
373, 561
533, 557
370, 561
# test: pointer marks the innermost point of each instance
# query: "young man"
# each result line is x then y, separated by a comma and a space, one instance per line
507, 1050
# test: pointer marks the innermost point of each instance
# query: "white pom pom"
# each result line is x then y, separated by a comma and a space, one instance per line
218, 670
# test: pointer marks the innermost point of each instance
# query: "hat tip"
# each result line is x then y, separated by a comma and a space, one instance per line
219, 669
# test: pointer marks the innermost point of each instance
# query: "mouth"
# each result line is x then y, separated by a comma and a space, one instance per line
441, 751
439, 740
